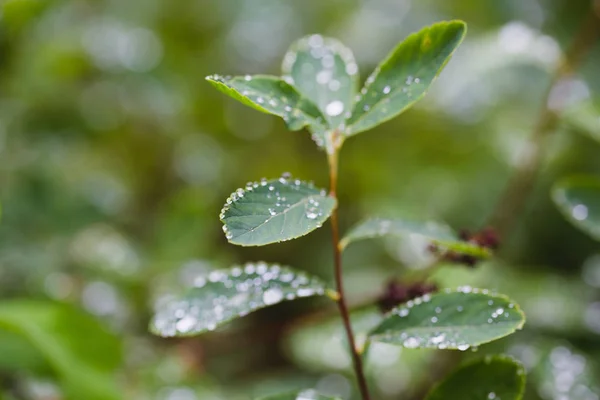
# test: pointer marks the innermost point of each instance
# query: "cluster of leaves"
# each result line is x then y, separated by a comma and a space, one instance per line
318, 90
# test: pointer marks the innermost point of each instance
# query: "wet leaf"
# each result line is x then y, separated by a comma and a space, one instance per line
439, 234
274, 211
405, 75
324, 70
492, 377
228, 294
271, 95
307, 394
578, 198
450, 320
62, 335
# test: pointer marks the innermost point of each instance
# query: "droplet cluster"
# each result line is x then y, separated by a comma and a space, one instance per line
276, 198
226, 294
325, 71
450, 322
278, 98
378, 92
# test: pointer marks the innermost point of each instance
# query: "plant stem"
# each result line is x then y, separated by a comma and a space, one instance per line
521, 183
337, 258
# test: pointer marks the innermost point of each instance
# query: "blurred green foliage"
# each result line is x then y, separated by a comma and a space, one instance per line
116, 157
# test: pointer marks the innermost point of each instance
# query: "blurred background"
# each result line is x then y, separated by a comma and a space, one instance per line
116, 158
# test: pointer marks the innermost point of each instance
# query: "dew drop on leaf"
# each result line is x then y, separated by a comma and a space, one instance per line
334, 108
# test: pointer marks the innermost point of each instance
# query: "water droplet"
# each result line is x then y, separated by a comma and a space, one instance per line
580, 212
334, 85
185, 324
491, 395
311, 214
334, 108
438, 339
463, 347
387, 89
324, 76
411, 343
272, 296
351, 69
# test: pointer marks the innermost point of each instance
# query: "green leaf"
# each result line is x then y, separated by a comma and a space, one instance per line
307, 394
405, 75
439, 234
450, 320
274, 211
578, 198
84, 356
228, 294
492, 377
19, 355
585, 117
324, 70
271, 95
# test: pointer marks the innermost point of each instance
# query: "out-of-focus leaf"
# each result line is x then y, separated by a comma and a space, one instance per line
306, 343
439, 234
274, 211
585, 117
578, 198
405, 75
450, 320
493, 377
308, 394
18, 354
228, 294
271, 95
560, 372
319, 345
324, 70
82, 353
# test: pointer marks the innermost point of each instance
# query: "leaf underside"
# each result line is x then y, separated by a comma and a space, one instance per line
439, 234
228, 294
274, 211
450, 320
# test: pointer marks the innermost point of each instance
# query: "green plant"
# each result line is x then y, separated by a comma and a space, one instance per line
318, 90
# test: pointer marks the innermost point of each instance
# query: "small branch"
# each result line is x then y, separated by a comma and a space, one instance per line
519, 187
337, 257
